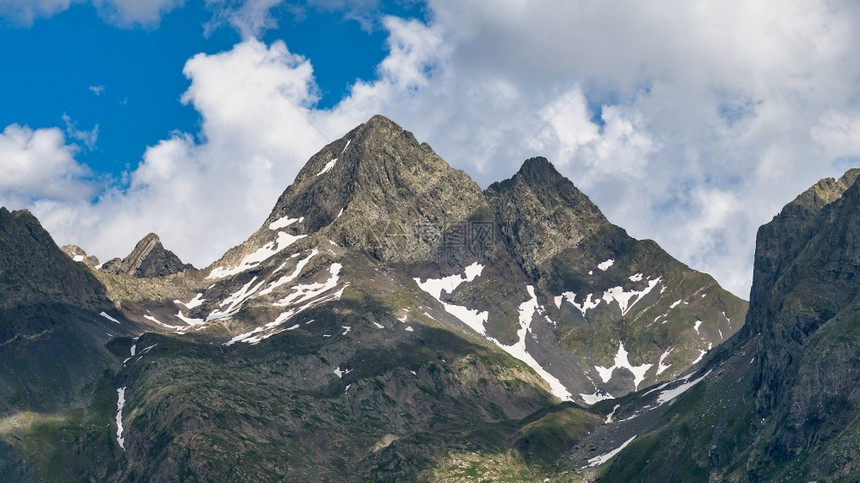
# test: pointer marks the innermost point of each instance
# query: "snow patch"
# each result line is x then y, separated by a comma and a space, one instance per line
282, 223
621, 361
328, 166
289, 278
626, 300
585, 306
188, 320
696, 325
105, 315
305, 292
378, 325
78, 258
235, 301
604, 266
409, 329
599, 460
526, 313
473, 318
595, 398
609, 417
310, 295
660, 366
172, 327
120, 403
340, 373
670, 394
193, 303
675, 304
262, 254
636, 278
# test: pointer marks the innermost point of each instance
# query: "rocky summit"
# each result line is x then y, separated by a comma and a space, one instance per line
389, 320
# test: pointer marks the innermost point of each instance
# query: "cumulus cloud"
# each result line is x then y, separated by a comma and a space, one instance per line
253, 101
687, 122
38, 164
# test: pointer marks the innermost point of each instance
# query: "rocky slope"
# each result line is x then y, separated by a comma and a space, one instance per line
55, 368
390, 320
780, 401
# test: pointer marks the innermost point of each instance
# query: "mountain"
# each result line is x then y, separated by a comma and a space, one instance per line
388, 320
149, 259
617, 302
779, 402
56, 368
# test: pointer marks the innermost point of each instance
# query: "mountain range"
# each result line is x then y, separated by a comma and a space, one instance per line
391, 320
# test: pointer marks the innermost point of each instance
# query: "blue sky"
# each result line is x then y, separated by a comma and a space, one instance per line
128, 80
690, 123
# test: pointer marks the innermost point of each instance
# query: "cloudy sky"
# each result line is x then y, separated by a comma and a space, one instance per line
687, 122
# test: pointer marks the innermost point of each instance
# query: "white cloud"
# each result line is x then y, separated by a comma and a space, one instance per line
127, 13
38, 164
88, 138
26, 11
687, 122
249, 17
123, 13
838, 133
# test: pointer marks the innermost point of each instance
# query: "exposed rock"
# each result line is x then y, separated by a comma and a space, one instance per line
150, 259
34, 270
542, 213
114, 265
78, 254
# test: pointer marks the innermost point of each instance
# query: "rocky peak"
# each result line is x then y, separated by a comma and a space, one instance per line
150, 259
376, 189
542, 213
78, 254
779, 242
33, 269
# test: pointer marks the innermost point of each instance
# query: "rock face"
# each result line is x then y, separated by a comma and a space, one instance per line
541, 213
51, 336
34, 270
149, 259
782, 399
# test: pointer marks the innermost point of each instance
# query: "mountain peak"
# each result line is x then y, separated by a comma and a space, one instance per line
150, 259
542, 212
36, 271
537, 168
373, 186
